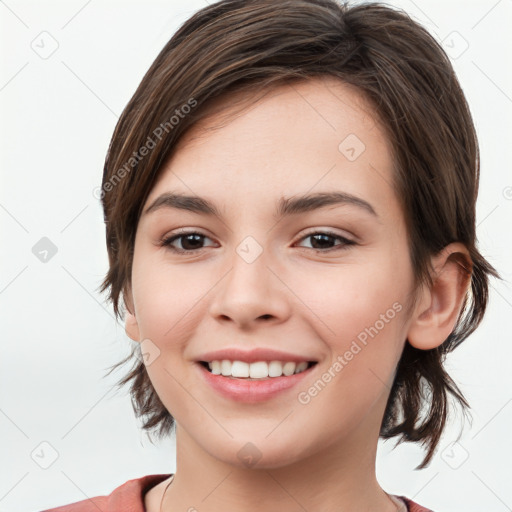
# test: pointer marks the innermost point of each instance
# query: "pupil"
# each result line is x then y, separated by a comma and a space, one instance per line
187, 238
315, 237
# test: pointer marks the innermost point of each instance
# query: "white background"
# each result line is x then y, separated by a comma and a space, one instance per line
58, 335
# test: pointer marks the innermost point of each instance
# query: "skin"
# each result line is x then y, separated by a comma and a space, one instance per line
314, 456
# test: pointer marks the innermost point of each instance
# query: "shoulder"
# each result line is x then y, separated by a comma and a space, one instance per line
414, 507
128, 497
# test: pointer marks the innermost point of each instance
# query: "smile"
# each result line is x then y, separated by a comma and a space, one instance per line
256, 370
252, 389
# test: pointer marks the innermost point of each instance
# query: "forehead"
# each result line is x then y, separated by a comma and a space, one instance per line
323, 104
315, 135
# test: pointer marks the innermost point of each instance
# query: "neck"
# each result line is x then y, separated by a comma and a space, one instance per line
340, 476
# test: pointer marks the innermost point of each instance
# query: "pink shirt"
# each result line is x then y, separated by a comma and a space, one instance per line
129, 497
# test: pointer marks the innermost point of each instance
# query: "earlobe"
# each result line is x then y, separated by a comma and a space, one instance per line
131, 325
438, 308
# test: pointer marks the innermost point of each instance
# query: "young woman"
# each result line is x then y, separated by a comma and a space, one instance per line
289, 201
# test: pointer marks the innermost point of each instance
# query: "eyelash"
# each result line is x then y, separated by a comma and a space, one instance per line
345, 242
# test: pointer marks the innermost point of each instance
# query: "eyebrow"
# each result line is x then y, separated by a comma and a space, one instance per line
284, 207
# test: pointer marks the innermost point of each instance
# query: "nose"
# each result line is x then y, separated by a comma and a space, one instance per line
251, 293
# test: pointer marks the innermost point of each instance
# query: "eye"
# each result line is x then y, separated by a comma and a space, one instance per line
322, 239
190, 241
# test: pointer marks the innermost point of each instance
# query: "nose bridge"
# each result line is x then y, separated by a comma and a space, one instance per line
250, 290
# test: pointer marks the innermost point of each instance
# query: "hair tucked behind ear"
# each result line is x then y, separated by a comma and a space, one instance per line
252, 45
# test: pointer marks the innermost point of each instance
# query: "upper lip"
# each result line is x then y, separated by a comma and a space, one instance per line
252, 356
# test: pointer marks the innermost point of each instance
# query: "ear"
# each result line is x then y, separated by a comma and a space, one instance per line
131, 326
438, 307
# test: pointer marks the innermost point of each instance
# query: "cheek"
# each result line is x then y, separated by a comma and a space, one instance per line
167, 297
168, 302
361, 321
359, 312
348, 299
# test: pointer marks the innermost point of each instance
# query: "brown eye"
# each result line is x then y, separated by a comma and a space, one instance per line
190, 242
323, 241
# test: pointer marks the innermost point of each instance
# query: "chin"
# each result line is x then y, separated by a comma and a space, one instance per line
259, 452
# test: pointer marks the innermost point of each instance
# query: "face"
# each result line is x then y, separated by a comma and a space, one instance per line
326, 280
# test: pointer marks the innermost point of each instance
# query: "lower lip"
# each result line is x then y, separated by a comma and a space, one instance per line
245, 390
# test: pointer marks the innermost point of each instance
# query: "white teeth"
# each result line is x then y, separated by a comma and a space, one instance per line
275, 369
215, 367
239, 369
301, 367
289, 368
225, 367
257, 370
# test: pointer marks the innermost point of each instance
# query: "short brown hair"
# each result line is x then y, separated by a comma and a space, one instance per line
254, 45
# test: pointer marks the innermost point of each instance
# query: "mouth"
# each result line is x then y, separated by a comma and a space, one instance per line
253, 384
256, 371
